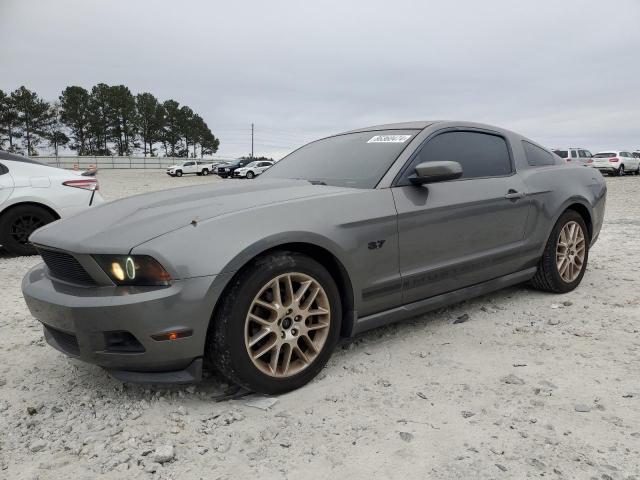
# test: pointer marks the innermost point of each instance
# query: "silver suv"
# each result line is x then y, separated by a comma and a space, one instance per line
575, 154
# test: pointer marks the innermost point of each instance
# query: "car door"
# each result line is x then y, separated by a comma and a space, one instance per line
189, 167
461, 232
6, 184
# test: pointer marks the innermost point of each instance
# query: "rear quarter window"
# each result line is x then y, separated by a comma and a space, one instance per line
536, 156
3, 169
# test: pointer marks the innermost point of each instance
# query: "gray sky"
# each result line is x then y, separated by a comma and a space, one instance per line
561, 72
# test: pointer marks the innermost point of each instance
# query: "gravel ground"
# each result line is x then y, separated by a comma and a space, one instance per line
530, 385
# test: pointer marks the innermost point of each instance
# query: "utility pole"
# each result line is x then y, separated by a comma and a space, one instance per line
252, 140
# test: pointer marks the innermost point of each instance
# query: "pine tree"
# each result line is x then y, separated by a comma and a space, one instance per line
8, 123
149, 120
74, 113
55, 129
171, 132
33, 116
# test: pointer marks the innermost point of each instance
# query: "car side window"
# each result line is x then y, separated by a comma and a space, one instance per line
3, 169
479, 154
574, 154
536, 156
588, 153
582, 154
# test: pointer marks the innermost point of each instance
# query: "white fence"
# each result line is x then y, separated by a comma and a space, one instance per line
109, 162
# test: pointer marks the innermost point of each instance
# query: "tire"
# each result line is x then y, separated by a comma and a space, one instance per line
178, 173
637, 171
205, 172
228, 347
548, 277
18, 223
250, 175
620, 172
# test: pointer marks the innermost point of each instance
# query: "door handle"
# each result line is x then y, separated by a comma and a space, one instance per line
514, 195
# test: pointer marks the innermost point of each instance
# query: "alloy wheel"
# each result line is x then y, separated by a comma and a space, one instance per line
570, 251
287, 324
24, 226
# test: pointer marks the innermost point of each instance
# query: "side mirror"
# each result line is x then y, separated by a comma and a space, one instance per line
429, 172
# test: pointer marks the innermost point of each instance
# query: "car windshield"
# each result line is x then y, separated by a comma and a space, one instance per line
604, 155
357, 160
561, 153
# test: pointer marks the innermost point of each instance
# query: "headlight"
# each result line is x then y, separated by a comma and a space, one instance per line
133, 270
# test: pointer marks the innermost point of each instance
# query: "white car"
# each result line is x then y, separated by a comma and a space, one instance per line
616, 162
33, 194
253, 169
192, 166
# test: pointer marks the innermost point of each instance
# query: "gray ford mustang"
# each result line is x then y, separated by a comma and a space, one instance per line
260, 280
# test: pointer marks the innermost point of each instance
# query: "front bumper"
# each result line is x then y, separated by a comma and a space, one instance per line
82, 321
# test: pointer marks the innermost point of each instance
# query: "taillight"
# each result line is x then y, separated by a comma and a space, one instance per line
614, 159
85, 184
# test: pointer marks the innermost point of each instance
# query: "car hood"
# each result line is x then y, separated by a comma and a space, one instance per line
119, 226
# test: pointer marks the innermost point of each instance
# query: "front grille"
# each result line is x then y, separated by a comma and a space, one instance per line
66, 341
65, 267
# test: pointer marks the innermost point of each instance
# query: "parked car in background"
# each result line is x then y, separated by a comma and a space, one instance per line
220, 165
191, 166
574, 154
616, 162
253, 169
345, 234
33, 194
226, 171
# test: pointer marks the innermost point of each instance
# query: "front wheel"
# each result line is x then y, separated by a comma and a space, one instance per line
205, 172
18, 223
179, 173
277, 325
250, 175
637, 172
565, 256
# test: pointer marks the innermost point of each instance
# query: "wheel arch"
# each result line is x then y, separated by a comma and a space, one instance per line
320, 253
32, 204
585, 213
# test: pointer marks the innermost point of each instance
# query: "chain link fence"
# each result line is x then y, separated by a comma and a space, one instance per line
109, 162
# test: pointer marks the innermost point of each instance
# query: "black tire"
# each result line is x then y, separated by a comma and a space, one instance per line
205, 172
637, 172
222, 175
250, 175
547, 278
225, 348
620, 171
178, 173
18, 223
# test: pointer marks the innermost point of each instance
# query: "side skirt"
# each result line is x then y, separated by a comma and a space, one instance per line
422, 306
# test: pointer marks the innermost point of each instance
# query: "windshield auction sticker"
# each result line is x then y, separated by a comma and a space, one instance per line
389, 139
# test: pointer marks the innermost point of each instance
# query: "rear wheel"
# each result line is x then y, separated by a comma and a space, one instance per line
621, 171
18, 223
277, 325
565, 256
637, 172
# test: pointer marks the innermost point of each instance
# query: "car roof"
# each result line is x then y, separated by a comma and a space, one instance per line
395, 126
18, 158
